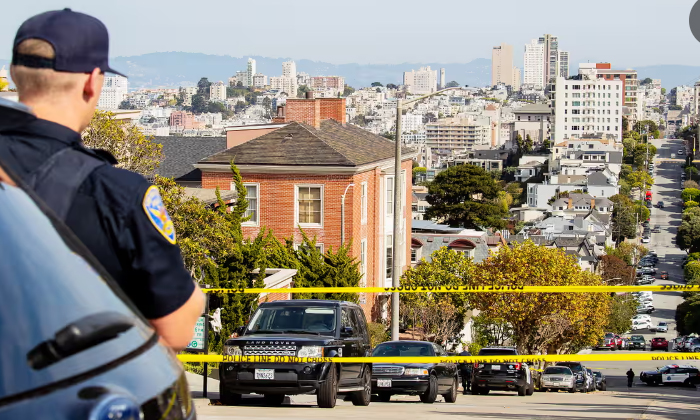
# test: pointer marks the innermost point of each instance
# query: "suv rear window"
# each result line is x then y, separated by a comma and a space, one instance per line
497, 352
400, 350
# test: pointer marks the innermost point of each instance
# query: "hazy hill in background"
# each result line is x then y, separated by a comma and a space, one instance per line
172, 69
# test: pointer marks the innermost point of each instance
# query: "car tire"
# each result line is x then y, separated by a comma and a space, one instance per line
604, 387
522, 390
613, 348
227, 397
364, 397
430, 395
545, 389
531, 389
273, 400
328, 391
484, 391
451, 397
572, 390
384, 396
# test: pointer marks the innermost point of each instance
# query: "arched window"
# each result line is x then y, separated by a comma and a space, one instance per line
463, 246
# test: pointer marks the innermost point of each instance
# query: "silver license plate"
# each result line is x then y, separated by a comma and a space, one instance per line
264, 374
495, 367
384, 383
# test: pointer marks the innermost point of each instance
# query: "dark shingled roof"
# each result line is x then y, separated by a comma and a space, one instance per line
181, 153
300, 144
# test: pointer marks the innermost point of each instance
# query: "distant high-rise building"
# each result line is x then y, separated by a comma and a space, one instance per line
289, 69
421, 81
250, 72
516, 79
533, 72
564, 63
259, 80
217, 91
114, 90
442, 78
502, 65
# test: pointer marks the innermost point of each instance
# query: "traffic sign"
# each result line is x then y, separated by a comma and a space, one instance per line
198, 341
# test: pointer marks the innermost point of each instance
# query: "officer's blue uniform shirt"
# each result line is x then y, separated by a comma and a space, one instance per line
117, 214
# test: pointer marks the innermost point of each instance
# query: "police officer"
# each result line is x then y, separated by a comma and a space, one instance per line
465, 370
58, 63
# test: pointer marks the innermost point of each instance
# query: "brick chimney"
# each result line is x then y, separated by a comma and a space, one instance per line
312, 111
571, 203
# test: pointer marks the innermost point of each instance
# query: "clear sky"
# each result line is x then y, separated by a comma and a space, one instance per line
625, 33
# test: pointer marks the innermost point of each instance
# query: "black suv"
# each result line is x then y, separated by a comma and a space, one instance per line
501, 376
301, 328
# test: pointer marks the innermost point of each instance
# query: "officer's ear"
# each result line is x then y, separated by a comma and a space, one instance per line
93, 85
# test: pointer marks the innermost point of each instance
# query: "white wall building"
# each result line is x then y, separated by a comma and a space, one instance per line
259, 80
588, 106
421, 81
289, 69
114, 91
533, 73
564, 63
250, 72
217, 91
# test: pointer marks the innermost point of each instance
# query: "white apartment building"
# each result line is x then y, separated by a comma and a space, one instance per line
114, 91
250, 72
502, 65
289, 69
454, 134
588, 105
533, 71
421, 81
259, 80
684, 95
287, 85
303, 79
564, 63
516, 79
217, 92
411, 123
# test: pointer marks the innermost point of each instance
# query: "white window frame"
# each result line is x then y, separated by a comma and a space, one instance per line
363, 204
363, 262
296, 205
388, 245
257, 201
389, 210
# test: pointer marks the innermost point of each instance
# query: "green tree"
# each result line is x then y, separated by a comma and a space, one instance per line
688, 236
349, 90
622, 309
624, 219
452, 84
126, 142
542, 323
466, 196
628, 252
663, 91
690, 194
418, 170
546, 144
391, 86
646, 81
200, 103
301, 91
125, 104
675, 108
377, 84
528, 144
203, 87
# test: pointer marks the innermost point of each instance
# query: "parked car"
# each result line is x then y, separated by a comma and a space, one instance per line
672, 374
645, 309
80, 349
302, 328
664, 275
501, 376
676, 343
601, 383
646, 279
681, 151
555, 378
580, 373
657, 229
661, 327
693, 345
641, 325
591, 380
637, 342
660, 204
607, 342
428, 380
659, 343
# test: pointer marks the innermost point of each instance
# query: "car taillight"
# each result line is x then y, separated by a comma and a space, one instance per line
516, 366
476, 365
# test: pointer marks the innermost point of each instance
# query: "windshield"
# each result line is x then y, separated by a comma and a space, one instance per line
45, 288
281, 319
403, 349
496, 352
557, 370
609, 335
662, 324
637, 338
598, 374
573, 367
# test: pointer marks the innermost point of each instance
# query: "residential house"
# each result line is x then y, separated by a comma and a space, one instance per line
298, 177
428, 237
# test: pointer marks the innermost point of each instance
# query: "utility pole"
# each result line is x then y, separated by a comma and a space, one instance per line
398, 248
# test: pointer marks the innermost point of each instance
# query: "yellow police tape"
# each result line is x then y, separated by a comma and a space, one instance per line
531, 359
470, 289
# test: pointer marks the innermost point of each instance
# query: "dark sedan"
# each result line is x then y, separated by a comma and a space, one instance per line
427, 380
601, 384
637, 342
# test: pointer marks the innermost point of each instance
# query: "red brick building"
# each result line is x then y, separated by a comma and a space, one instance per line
296, 177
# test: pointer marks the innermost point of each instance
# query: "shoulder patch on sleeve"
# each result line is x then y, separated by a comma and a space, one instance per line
158, 215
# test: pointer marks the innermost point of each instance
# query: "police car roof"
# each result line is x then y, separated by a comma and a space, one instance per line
682, 366
308, 302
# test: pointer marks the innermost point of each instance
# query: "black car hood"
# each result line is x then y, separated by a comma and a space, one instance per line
406, 365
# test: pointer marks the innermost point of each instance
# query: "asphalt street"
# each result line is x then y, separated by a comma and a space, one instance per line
618, 402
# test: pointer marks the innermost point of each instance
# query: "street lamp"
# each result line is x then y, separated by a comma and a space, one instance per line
396, 261
342, 215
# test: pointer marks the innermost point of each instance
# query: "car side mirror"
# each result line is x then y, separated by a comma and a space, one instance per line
346, 331
240, 330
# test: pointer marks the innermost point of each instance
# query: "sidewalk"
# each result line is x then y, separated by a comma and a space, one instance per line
197, 386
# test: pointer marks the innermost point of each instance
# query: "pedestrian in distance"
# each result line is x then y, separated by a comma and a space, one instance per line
59, 59
630, 378
465, 370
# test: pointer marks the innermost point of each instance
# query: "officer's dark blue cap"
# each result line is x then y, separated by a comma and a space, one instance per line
81, 42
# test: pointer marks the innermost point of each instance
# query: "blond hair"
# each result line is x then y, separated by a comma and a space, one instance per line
33, 83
